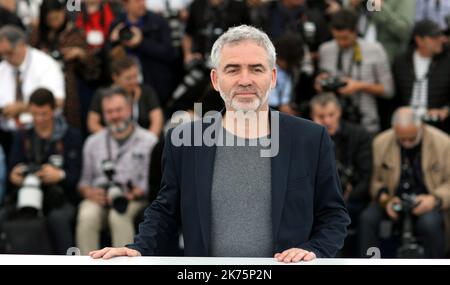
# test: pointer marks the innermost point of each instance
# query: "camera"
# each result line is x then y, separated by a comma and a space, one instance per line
409, 247
30, 196
113, 189
332, 84
195, 75
346, 174
125, 34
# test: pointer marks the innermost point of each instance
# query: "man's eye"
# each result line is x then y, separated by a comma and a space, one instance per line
231, 70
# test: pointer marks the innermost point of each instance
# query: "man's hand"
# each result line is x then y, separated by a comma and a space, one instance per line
109, 252
318, 79
16, 176
15, 109
192, 56
114, 37
135, 194
333, 7
95, 194
439, 114
389, 208
49, 174
72, 53
136, 39
295, 255
352, 87
425, 204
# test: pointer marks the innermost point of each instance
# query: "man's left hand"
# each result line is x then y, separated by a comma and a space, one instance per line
425, 204
50, 174
136, 39
295, 255
135, 194
352, 87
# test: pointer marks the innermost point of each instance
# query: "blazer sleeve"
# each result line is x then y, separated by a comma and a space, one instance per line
330, 214
161, 218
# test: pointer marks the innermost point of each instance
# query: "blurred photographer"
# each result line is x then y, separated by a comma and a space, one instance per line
146, 110
356, 70
426, 88
59, 38
146, 36
114, 180
51, 151
410, 160
352, 148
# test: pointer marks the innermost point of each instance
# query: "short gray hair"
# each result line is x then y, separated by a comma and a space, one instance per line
240, 34
405, 116
115, 91
13, 35
323, 99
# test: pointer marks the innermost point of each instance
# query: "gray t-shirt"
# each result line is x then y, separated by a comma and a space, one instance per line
241, 223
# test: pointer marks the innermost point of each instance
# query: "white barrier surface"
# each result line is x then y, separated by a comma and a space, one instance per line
86, 260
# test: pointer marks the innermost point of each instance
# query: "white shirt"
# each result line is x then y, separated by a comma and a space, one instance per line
419, 98
38, 70
421, 65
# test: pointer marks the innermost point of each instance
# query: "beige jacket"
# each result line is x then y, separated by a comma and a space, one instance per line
435, 166
435, 163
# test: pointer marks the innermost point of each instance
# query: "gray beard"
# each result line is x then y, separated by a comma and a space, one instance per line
120, 127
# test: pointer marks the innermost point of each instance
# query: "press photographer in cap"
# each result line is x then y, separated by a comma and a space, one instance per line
426, 88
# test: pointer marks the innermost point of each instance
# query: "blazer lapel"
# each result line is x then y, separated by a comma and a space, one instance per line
279, 170
203, 175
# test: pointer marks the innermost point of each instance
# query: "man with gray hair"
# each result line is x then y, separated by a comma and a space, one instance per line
23, 70
118, 156
411, 161
233, 200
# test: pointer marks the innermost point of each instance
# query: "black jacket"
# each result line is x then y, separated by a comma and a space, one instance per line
438, 79
72, 152
307, 207
354, 148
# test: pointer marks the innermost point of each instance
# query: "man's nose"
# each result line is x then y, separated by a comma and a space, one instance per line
245, 78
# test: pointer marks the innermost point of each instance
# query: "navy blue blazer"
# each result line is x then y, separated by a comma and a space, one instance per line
308, 211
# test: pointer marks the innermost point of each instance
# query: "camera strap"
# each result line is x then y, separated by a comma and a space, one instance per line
108, 148
33, 150
356, 59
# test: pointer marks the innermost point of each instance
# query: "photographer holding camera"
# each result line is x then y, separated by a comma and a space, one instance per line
114, 180
147, 37
411, 159
356, 70
353, 155
51, 151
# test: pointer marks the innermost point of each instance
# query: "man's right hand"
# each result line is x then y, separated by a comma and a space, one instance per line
114, 37
109, 252
192, 56
16, 176
318, 79
95, 194
15, 109
393, 215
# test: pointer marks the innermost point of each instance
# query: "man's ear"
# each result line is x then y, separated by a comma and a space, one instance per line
273, 81
214, 81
